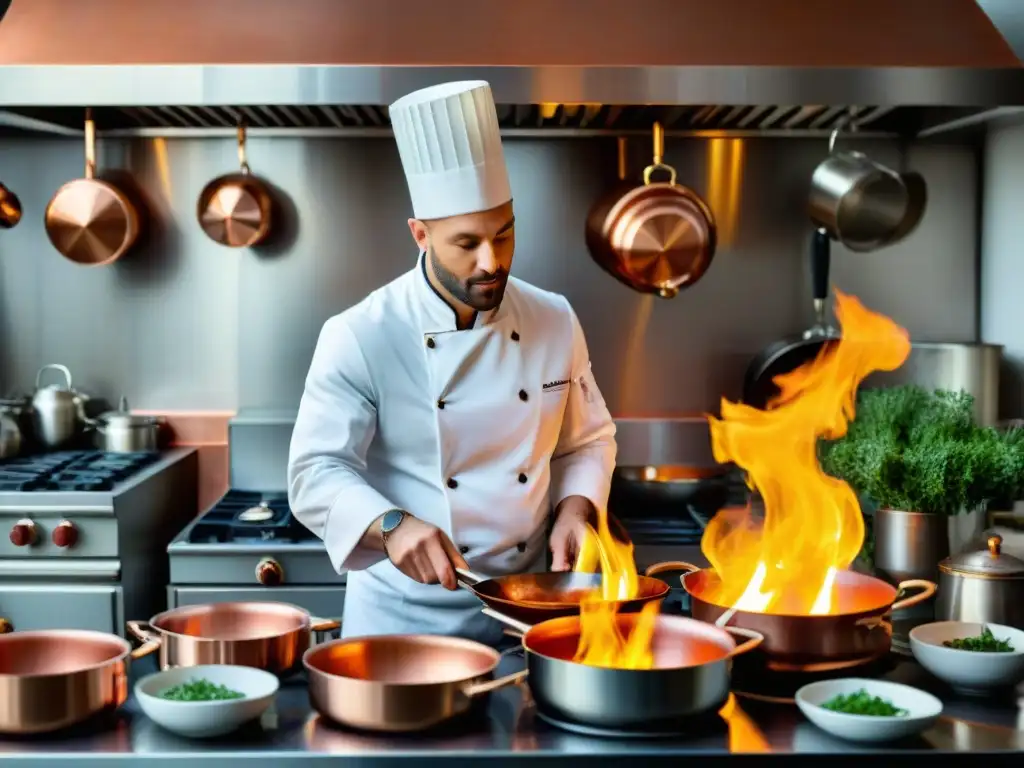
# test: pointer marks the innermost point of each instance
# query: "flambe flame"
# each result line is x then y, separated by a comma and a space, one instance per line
812, 526
602, 643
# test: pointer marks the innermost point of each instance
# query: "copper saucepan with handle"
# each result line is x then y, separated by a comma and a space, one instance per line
860, 630
534, 597
235, 209
90, 221
658, 237
266, 635
400, 683
57, 678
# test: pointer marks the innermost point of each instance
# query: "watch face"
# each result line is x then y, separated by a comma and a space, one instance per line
391, 520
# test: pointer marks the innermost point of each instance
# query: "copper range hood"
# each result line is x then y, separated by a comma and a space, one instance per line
368, 52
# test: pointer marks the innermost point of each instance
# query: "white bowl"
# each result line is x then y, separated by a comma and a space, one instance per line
922, 708
205, 719
973, 672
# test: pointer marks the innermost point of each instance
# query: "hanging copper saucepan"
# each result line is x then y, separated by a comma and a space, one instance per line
658, 237
89, 221
10, 208
235, 209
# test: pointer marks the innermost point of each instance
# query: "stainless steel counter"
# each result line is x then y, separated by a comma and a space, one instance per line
506, 731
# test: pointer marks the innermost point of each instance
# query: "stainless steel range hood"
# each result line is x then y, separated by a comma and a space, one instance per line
297, 63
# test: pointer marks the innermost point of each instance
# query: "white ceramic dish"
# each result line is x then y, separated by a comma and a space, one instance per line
922, 708
205, 719
972, 672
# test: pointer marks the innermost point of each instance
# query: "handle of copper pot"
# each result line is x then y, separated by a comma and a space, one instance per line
622, 157
670, 566
658, 163
508, 621
752, 640
927, 590
90, 145
142, 631
479, 689
243, 161
6, 627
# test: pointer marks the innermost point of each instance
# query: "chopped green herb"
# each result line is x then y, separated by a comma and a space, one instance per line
985, 642
863, 703
199, 690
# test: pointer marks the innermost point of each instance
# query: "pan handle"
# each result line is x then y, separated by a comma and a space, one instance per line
752, 640
467, 578
515, 624
143, 632
927, 590
479, 689
821, 265
671, 566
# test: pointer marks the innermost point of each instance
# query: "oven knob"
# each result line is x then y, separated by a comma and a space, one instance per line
65, 534
269, 572
5, 626
23, 534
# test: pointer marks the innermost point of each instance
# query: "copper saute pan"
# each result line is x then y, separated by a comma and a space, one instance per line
534, 597
860, 633
269, 636
236, 209
399, 683
690, 677
57, 678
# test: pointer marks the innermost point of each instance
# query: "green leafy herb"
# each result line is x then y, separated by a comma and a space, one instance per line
200, 690
914, 450
863, 703
985, 642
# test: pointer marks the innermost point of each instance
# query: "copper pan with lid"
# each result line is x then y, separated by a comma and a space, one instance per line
658, 237
90, 221
235, 209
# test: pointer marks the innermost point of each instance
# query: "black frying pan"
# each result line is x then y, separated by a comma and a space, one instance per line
789, 354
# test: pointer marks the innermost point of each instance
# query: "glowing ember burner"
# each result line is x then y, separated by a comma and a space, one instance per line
812, 526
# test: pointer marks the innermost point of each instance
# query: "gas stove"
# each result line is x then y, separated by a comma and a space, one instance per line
249, 517
87, 535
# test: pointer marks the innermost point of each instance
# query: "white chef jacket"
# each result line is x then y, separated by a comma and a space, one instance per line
481, 432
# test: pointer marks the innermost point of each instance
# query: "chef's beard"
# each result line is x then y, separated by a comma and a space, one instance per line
468, 291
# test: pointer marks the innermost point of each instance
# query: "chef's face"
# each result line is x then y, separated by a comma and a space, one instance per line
470, 255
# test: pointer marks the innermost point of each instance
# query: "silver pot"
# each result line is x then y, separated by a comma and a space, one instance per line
983, 587
121, 431
909, 545
58, 412
13, 426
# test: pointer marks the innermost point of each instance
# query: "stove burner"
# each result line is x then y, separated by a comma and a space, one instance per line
701, 727
242, 516
71, 470
755, 681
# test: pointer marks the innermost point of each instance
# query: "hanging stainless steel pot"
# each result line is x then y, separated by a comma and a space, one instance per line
122, 431
985, 587
58, 412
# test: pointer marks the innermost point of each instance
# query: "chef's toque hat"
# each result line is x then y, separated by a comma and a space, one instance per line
450, 147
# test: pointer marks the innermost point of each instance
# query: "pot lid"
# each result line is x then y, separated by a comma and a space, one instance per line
988, 562
123, 417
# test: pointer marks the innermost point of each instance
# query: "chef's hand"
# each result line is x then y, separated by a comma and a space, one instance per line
424, 552
569, 531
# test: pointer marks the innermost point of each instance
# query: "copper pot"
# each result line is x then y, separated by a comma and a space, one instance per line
659, 237
400, 683
860, 633
269, 636
89, 221
10, 208
235, 209
57, 678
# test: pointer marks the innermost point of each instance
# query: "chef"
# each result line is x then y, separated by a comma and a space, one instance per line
450, 419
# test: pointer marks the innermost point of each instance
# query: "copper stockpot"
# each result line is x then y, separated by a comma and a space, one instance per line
398, 683
860, 633
89, 221
10, 208
57, 678
235, 209
658, 237
269, 636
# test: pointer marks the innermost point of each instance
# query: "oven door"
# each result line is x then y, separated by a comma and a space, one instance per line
62, 606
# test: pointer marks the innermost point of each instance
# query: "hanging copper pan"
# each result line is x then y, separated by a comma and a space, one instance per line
234, 210
90, 221
659, 237
10, 208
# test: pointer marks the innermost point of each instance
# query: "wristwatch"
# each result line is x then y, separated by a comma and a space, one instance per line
391, 520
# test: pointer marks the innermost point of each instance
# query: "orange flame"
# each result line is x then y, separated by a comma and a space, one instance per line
812, 526
602, 643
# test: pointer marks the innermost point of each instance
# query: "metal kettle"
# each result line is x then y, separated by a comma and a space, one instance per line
58, 412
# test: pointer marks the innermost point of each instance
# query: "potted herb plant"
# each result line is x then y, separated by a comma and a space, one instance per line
918, 458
